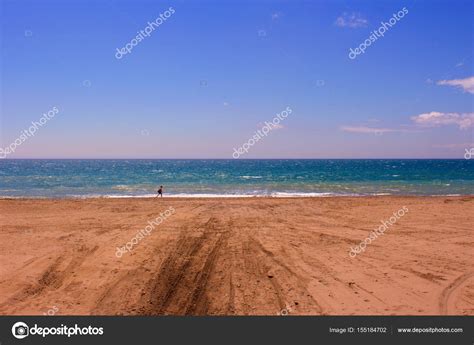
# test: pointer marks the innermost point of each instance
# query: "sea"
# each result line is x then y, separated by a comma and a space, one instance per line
85, 178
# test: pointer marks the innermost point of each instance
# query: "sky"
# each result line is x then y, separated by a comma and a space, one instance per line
212, 73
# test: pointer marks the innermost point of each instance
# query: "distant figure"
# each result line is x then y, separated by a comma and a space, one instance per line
160, 192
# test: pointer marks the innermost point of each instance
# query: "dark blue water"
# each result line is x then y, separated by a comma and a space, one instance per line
87, 178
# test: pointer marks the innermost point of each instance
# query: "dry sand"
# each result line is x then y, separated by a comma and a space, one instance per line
255, 256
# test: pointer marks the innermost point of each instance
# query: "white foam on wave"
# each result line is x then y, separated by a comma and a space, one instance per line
301, 195
209, 195
185, 195
129, 196
249, 195
181, 195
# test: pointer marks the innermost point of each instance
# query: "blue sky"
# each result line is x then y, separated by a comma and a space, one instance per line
207, 78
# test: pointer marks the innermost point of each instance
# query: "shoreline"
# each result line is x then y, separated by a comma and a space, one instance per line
234, 197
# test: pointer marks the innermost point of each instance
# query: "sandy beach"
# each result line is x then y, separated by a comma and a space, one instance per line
243, 256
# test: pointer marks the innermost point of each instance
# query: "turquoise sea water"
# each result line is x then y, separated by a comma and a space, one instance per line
318, 177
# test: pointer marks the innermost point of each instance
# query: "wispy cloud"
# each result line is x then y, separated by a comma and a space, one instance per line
351, 20
368, 130
454, 146
274, 126
466, 84
378, 130
436, 119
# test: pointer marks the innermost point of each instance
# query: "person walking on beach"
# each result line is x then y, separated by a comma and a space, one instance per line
160, 192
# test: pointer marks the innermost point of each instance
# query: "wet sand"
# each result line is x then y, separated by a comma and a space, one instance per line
245, 256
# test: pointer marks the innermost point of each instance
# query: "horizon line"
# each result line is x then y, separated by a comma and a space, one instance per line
233, 159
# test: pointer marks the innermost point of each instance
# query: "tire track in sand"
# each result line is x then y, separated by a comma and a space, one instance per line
52, 277
446, 294
179, 287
